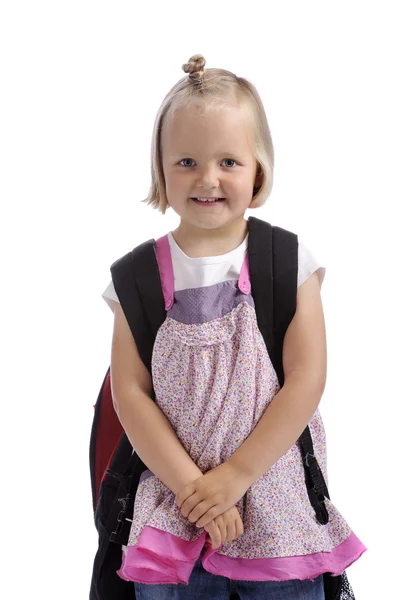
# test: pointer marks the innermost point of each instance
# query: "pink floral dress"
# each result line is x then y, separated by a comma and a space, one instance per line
213, 379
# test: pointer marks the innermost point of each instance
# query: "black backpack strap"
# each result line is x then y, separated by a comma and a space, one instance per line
273, 259
260, 253
285, 276
137, 284
273, 264
315, 482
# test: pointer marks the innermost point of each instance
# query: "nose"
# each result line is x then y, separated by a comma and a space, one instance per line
208, 178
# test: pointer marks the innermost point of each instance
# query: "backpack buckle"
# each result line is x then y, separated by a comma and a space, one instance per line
316, 496
307, 458
122, 529
121, 525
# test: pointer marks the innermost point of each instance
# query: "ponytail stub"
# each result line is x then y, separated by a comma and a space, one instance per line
195, 68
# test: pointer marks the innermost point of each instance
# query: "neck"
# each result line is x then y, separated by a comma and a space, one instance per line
197, 242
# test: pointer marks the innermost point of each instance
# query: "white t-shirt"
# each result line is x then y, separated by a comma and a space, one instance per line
201, 272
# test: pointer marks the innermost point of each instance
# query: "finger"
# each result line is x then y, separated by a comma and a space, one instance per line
214, 534
231, 531
211, 513
178, 499
189, 504
183, 494
239, 527
220, 522
200, 510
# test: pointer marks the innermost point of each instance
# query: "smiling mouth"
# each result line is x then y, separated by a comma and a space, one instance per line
207, 200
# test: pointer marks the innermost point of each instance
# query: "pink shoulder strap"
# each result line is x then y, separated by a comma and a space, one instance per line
165, 265
244, 281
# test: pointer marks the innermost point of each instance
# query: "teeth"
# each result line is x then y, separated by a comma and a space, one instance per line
206, 199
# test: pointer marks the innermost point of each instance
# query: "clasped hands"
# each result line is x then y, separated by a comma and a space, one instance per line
212, 494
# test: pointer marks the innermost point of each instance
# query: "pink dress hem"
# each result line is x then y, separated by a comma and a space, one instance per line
174, 559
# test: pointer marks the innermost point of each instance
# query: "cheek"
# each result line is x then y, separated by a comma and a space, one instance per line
175, 181
242, 182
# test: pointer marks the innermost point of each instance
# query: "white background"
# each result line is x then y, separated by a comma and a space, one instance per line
80, 85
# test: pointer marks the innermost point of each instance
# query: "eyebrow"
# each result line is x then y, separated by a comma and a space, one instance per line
185, 154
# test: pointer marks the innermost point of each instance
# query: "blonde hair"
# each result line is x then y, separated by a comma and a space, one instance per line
212, 86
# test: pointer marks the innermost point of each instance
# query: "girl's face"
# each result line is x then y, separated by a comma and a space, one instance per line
209, 155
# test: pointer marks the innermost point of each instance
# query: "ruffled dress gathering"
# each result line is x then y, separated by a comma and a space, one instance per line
213, 379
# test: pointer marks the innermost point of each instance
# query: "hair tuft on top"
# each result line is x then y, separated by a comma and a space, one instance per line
195, 67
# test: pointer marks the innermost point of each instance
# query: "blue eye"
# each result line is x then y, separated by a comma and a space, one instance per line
230, 160
184, 160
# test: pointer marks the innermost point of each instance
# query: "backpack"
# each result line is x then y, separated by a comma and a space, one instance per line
115, 467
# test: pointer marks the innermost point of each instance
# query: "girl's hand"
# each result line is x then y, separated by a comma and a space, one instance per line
212, 494
225, 527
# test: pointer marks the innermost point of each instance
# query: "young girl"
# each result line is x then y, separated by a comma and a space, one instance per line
224, 507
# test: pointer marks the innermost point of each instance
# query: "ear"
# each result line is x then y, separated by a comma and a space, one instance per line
258, 179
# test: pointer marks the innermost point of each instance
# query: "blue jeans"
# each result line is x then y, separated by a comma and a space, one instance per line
206, 586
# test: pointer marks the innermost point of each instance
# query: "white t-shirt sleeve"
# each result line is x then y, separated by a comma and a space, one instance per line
308, 264
110, 296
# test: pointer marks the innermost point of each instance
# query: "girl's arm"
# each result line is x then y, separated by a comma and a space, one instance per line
147, 428
305, 372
